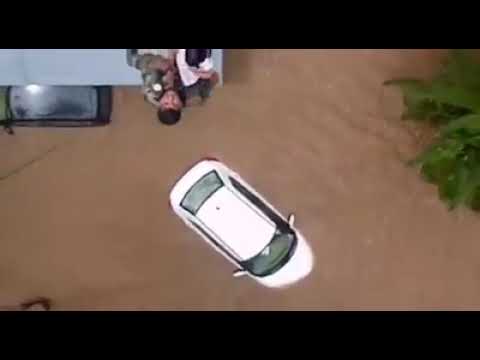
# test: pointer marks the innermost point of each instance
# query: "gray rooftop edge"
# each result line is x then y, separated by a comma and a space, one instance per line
74, 67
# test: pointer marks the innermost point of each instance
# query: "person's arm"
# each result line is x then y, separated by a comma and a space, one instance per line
211, 75
150, 97
172, 53
140, 62
214, 78
168, 80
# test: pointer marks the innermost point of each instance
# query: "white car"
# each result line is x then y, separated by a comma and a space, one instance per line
241, 225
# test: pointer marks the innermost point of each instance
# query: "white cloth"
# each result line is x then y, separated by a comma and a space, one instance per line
186, 74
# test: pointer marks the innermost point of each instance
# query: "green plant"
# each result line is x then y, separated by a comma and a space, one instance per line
451, 102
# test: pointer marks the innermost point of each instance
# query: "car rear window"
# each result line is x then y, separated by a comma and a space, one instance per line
201, 191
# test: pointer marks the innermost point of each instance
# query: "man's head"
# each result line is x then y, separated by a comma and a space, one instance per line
170, 108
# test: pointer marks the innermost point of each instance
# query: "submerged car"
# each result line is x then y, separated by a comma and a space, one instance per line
240, 224
56, 106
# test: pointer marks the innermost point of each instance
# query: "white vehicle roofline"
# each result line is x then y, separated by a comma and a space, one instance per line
296, 268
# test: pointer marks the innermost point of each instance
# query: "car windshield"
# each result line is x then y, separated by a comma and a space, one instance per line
201, 191
273, 256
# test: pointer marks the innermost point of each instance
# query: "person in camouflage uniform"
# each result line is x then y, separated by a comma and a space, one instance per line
160, 82
157, 73
165, 73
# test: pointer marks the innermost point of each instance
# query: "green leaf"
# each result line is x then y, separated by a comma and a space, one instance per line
444, 149
475, 201
473, 141
457, 187
462, 69
438, 162
453, 96
437, 100
469, 189
452, 99
413, 89
437, 172
469, 123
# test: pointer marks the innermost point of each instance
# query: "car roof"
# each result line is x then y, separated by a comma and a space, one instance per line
239, 226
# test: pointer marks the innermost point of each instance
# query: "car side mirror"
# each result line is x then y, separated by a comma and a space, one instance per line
239, 273
291, 219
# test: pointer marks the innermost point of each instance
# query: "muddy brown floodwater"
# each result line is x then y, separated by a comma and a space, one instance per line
313, 130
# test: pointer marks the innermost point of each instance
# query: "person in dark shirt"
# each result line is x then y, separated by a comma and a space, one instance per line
195, 68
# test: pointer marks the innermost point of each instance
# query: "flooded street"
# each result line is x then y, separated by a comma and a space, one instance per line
314, 131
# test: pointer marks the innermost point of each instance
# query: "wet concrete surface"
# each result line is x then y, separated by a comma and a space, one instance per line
313, 130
